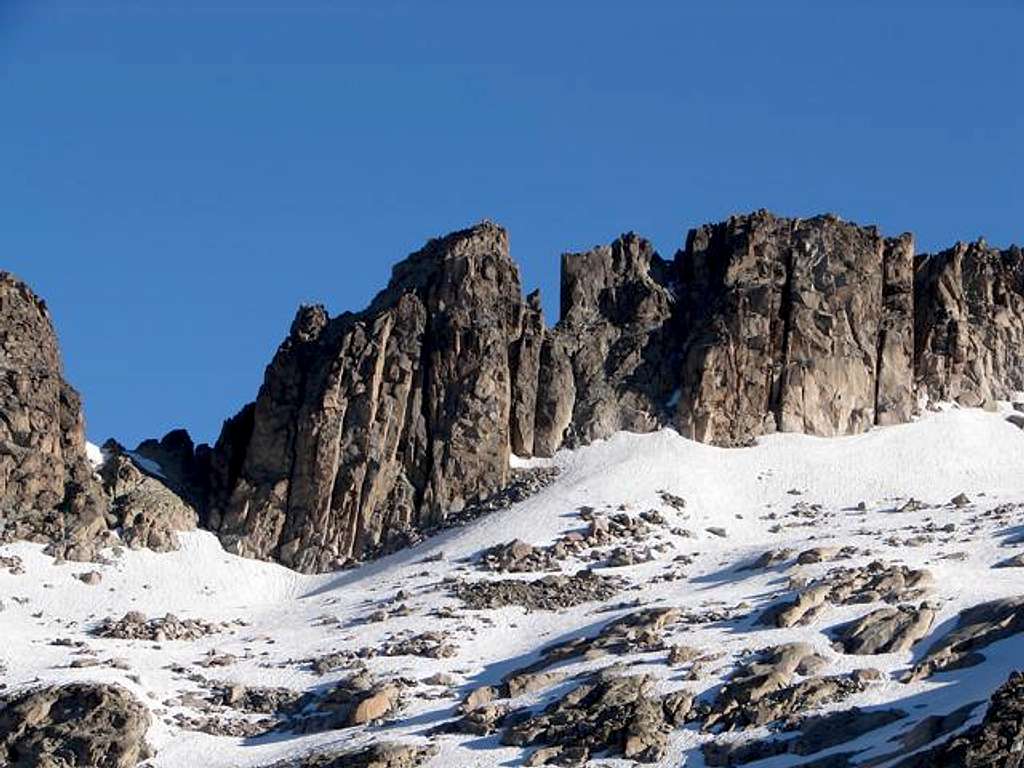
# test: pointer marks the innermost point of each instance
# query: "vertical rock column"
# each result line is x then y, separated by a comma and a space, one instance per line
969, 324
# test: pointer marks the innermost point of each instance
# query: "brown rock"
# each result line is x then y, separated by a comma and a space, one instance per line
607, 365
79, 725
796, 325
372, 423
147, 511
969, 317
47, 491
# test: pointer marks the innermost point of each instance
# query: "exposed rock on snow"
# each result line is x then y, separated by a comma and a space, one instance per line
815, 734
549, 593
887, 630
79, 725
607, 713
357, 700
135, 626
997, 742
328, 665
844, 586
976, 628
376, 756
641, 631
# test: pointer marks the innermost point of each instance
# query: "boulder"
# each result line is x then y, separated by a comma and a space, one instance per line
887, 630
79, 725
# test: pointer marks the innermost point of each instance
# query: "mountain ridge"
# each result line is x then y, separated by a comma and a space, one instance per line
758, 324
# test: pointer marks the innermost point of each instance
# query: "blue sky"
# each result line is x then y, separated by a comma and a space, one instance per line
179, 176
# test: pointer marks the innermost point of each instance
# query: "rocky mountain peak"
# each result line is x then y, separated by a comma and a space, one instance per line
625, 282
47, 491
27, 338
376, 423
371, 427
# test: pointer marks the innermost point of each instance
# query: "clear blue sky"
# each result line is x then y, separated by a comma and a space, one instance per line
178, 176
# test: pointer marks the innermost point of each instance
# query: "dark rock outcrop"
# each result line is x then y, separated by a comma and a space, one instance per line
47, 489
76, 725
604, 714
608, 364
377, 755
976, 628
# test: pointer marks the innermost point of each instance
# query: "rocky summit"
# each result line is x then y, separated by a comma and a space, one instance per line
619, 539
375, 426
47, 488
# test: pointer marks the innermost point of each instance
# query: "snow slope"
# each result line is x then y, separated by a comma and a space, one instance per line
288, 618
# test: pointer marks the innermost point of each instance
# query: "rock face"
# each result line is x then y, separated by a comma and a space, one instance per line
970, 323
800, 326
370, 423
607, 365
372, 427
77, 725
47, 491
147, 512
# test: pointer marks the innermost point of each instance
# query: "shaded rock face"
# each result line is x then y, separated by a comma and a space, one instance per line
368, 424
47, 491
795, 325
970, 324
147, 512
77, 725
607, 365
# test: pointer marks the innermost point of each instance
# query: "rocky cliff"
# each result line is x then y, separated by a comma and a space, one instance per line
970, 323
368, 424
793, 325
47, 489
374, 424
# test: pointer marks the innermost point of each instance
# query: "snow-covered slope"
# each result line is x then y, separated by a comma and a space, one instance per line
789, 491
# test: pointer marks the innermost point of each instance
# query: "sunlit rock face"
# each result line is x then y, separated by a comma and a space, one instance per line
970, 323
794, 325
47, 491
